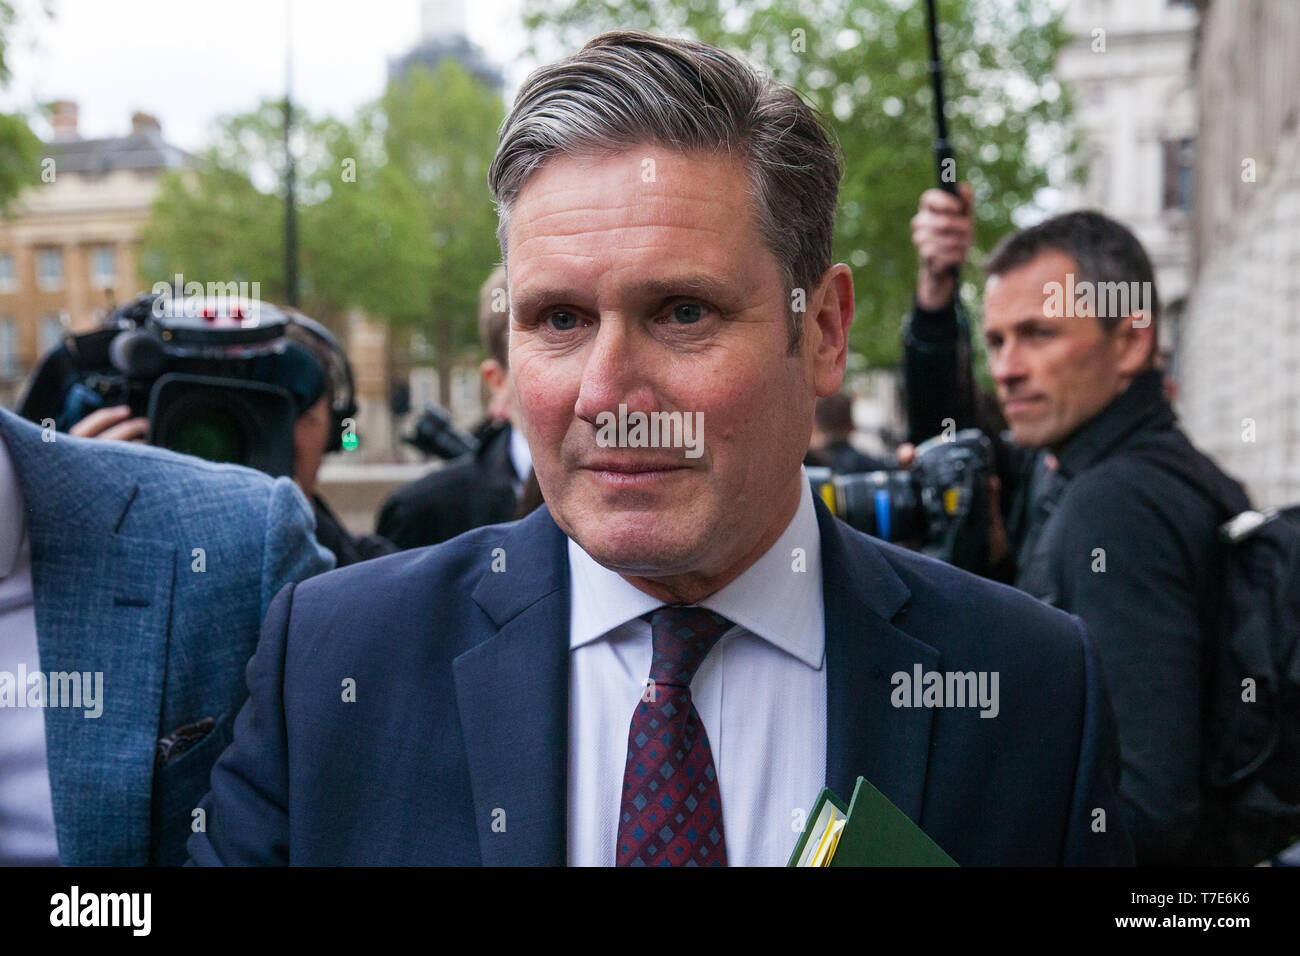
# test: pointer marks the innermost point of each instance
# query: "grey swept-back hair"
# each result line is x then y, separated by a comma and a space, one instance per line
626, 88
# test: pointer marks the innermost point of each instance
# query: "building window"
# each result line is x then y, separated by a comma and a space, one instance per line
8, 348
8, 282
50, 333
49, 270
1177, 161
1098, 178
153, 263
103, 267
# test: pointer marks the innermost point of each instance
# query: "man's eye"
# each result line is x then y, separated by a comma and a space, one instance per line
562, 321
687, 313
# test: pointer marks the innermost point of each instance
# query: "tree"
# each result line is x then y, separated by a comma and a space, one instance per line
213, 223
20, 149
862, 63
441, 134
394, 216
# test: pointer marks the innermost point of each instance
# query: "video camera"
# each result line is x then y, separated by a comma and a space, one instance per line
218, 378
939, 507
435, 435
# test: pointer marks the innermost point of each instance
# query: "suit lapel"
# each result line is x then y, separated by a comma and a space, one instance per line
102, 605
865, 735
512, 691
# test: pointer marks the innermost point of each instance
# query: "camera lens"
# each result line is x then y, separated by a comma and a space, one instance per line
212, 434
224, 420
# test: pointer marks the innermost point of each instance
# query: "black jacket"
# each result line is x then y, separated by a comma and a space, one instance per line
1132, 549
472, 491
937, 376
843, 459
347, 548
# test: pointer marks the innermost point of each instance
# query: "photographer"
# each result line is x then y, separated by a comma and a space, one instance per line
312, 433
320, 386
1094, 526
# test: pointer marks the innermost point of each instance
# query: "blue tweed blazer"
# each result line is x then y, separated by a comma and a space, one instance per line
154, 569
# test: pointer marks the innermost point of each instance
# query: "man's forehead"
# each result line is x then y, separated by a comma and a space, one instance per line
689, 213
640, 186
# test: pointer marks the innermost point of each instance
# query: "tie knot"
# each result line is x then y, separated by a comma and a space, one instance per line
682, 637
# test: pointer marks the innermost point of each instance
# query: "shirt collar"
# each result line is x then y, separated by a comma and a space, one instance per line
1142, 404
13, 520
520, 455
773, 598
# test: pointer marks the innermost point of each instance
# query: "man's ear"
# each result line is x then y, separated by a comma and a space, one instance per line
826, 331
496, 379
493, 374
1136, 343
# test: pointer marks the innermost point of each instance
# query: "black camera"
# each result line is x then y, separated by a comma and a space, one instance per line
435, 435
216, 377
939, 507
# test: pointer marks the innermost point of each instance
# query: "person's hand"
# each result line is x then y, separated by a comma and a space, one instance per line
906, 454
943, 230
113, 424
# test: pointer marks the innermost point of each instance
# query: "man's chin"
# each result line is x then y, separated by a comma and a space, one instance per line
1030, 436
645, 545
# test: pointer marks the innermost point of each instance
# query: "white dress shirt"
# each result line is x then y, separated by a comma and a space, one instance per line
26, 809
521, 459
761, 693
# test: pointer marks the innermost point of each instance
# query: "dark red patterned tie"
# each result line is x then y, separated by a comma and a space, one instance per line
672, 808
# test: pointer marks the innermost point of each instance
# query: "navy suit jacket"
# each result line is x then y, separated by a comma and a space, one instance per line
119, 588
414, 710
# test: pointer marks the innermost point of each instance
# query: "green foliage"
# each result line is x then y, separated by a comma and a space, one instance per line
863, 64
441, 135
20, 159
211, 223
20, 148
394, 215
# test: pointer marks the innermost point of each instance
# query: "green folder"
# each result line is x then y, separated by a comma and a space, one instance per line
876, 833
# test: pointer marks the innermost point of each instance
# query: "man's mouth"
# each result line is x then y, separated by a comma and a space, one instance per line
1020, 403
632, 472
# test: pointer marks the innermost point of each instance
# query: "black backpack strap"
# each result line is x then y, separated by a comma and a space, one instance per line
1196, 471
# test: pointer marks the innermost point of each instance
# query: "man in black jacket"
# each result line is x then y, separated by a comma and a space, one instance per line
830, 446
1094, 524
491, 485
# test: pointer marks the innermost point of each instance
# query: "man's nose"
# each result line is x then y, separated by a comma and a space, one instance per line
1007, 364
615, 372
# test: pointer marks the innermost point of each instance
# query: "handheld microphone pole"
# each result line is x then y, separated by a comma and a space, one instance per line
946, 168
945, 162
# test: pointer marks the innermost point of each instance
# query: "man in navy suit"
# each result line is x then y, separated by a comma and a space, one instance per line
132, 583
665, 664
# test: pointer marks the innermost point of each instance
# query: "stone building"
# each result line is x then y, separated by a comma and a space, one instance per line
68, 254
1128, 68
1240, 354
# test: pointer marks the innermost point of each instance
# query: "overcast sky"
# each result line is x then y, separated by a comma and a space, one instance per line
190, 61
